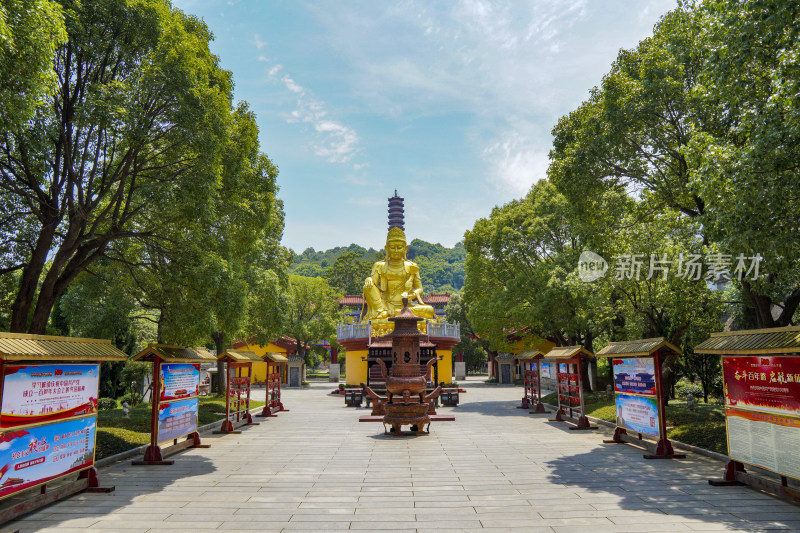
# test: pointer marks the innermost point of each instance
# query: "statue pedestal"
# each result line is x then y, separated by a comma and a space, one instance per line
334, 375
461, 370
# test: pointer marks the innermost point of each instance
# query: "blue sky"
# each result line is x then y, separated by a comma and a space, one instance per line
449, 102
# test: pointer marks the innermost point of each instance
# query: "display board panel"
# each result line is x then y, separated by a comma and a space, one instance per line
765, 384
38, 393
636, 375
176, 419
39, 454
545, 370
638, 413
179, 380
765, 440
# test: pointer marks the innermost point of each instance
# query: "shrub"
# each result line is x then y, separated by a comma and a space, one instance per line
305, 383
491, 380
684, 388
106, 404
133, 399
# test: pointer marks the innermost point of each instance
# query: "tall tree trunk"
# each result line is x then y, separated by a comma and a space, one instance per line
219, 344
30, 278
763, 307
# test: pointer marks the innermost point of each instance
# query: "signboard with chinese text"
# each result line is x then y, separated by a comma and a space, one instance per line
766, 384
179, 380
765, 440
39, 393
638, 413
176, 419
635, 375
36, 455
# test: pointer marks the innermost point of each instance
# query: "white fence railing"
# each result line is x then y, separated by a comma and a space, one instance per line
443, 329
352, 331
361, 331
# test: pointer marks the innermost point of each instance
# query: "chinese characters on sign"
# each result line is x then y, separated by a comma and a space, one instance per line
635, 389
638, 413
179, 380
33, 394
176, 419
39, 454
762, 408
768, 384
635, 375
766, 440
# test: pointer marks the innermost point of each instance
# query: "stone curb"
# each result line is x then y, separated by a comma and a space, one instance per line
675, 443
133, 452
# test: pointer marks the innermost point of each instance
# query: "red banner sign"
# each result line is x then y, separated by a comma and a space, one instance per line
767, 384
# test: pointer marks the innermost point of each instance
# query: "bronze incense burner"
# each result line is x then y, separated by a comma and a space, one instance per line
406, 402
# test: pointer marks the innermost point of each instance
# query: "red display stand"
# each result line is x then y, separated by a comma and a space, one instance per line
570, 384
48, 423
758, 368
528, 360
173, 367
239, 374
638, 392
273, 403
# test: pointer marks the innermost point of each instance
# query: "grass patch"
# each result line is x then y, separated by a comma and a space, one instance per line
116, 433
704, 427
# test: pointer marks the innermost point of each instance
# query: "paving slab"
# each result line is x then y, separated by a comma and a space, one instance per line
495, 469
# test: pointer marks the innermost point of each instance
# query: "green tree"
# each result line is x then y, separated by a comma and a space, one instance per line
699, 119
747, 172
30, 32
311, 312
474, 349
348, 273
132, 136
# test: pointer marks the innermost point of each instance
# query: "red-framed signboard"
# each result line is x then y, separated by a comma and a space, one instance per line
239, 372
273, 404
569, 382
760, 370
639, 395
529, 364
48, 417
175, 405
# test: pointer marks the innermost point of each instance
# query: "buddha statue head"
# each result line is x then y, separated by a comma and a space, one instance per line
396, 246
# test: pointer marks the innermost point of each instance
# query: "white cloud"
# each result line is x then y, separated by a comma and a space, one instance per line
516, 163
258, 42
292, 85
333, 141
274, 70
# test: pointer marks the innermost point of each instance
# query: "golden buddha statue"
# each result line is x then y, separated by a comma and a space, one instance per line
391, 280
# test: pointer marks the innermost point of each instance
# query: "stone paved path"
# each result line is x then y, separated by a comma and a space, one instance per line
495, 469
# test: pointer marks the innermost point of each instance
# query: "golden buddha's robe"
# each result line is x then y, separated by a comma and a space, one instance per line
384, 297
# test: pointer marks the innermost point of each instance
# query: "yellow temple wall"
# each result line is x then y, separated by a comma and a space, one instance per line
445, 366
260, 368
355, 368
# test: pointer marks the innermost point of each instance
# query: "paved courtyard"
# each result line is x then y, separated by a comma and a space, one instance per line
496, 468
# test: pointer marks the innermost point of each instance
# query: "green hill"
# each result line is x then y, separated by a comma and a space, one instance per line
345, 267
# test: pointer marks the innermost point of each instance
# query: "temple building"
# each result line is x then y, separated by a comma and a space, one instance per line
391, 280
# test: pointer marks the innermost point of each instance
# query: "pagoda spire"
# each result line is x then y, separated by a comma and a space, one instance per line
396, 217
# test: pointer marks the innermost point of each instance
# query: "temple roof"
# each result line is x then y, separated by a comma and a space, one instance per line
567, 352
754, 341
637, 347
22, 346
239, 356
174, 354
